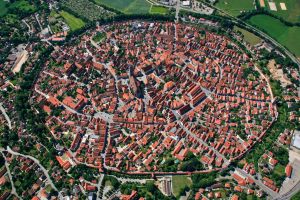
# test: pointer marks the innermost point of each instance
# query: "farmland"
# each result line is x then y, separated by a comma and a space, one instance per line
86, 9
73, 22
234, 7
127, 6
291, 14
3, 8
287, 36
248, 37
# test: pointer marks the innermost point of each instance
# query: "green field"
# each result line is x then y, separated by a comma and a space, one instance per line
158, 10
292, 13
127, 6
279, 170
234, 7
74, 22
287, 36
3, 8
179, 182
22, 5
248, 37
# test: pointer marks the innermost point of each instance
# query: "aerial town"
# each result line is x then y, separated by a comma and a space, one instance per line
147, 100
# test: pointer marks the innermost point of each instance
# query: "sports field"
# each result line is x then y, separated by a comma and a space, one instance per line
74, 22
127, 6
292, 13
248, 37
3, 8
234, 7
287, 36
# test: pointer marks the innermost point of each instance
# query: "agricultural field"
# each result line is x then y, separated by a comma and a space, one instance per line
179, 182
159, 10
291, 13
235, 7
87, 9
73, 22
287, 36
248, 37
3, 8
127, 6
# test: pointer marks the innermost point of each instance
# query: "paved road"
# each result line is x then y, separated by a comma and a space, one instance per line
13, 189
259, 183
5, 115
177, 11
99, 186
37, 162
290, 193
200, 140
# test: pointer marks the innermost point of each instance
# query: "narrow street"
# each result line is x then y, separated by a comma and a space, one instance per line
13, 189
37, 162
5, 115
259, 183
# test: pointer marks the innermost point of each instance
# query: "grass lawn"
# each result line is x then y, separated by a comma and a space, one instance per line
48, 188
74, 22
99, 37
292, 13
279, 170
159, 10
179, 182
234, 7
248, 37
3, 8
127, 6
287, 36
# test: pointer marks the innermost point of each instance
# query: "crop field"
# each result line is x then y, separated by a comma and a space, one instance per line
87, 10
234, 7
292, 13
3, 8
287, 36
248, 37
73, 22
158, 9
127, 6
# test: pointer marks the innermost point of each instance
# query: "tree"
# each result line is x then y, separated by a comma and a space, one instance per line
191, 163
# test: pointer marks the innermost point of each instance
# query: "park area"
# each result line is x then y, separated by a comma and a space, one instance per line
73, 22
127, 6
179, 182
248, 37
287, 36
57, 20
235, 7
287, 9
